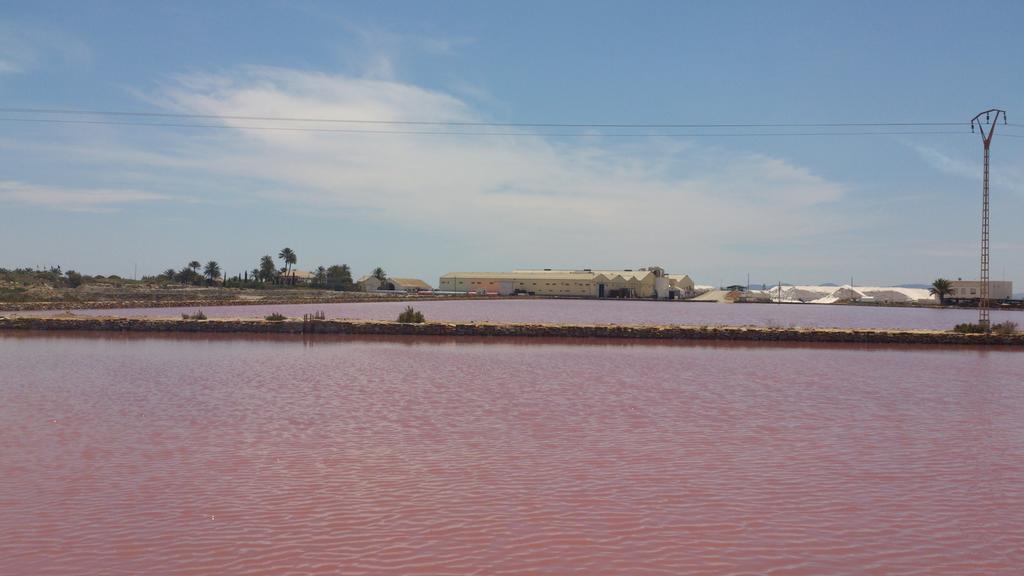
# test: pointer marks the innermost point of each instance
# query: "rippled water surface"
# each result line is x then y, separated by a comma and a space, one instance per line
607, 312
222, 455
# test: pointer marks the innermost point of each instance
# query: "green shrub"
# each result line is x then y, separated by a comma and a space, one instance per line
1003, 328
411, 316
198, 315
276, 317
74, 279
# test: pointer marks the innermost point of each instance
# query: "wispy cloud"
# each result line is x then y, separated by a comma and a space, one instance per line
72, 199
25, 47
523, 194
379, 53
1008, 175
515, 199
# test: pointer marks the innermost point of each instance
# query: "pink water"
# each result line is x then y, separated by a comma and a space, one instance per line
609, 312
224, 455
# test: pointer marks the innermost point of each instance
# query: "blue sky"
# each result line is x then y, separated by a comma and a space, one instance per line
884, 209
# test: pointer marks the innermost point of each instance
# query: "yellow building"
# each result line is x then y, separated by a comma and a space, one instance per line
540, 283
641, 283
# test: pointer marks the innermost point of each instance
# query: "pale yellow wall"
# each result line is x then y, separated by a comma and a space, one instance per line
549, 283
470, 284
552, 287
542, 286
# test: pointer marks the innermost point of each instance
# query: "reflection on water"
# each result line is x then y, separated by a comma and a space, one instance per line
261, 455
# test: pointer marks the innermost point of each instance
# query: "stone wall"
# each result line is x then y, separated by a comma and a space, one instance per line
361, 327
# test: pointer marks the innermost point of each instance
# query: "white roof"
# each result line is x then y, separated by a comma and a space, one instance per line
831, 294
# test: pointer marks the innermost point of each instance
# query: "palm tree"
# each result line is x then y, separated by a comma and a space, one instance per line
381, 276
169, 273
267, 269
941, 288
212, 271
192, 276
321, 276
288, 256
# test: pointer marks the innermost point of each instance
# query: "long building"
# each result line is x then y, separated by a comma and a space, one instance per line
650, 282
971, 289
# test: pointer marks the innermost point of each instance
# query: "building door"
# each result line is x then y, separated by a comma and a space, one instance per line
600, 290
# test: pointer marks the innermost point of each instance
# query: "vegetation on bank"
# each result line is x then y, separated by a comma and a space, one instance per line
411, 316
1003, 328
318, 315
15, 284
267, 273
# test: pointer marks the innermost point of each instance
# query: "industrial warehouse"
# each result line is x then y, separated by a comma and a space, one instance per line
650, 282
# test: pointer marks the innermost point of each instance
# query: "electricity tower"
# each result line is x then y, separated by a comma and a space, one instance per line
987, 129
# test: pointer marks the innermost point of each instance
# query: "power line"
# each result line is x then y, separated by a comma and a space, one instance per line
67, 111
489, 133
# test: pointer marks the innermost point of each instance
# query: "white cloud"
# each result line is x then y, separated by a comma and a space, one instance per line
520, 194
493, 201
72, 199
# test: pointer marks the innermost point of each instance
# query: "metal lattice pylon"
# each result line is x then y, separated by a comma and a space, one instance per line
987, 129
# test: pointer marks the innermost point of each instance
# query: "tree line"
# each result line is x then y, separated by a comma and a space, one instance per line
334, 277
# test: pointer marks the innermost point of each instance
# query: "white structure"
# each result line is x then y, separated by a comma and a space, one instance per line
847, 293
971, 289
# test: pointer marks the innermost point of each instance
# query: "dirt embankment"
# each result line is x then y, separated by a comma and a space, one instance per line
381, 328
193, 298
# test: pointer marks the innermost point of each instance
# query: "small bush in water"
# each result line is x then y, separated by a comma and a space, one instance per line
276, 317
411, 316
198, 315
